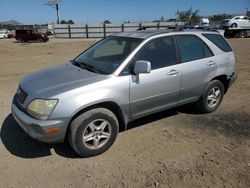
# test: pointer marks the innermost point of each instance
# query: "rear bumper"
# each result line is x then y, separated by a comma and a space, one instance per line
38, 129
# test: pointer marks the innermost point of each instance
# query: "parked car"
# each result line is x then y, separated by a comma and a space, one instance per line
25, 35
49, 33
204, 22
236, 22
122, 78
4, 33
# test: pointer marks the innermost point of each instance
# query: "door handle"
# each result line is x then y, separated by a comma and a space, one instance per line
173, 72
211, 63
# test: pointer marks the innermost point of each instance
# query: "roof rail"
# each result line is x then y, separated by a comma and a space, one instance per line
179, 28
157, 27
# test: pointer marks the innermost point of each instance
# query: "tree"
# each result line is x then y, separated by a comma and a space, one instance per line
63, 22
219, 17
70, 22
7, 26
67, 22
189, 16
107, 22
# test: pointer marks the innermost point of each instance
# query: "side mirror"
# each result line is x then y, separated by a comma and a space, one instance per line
142, 66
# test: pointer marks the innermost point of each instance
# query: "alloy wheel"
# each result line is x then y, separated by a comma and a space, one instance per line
96, 134
213, 97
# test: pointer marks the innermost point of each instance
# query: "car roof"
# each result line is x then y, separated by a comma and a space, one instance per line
242, 16
140, 34
143, 34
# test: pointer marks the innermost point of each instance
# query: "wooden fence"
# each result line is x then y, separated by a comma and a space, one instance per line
103, 30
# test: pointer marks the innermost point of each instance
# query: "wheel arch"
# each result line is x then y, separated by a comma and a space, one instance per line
224, 80
234, 23
110, 105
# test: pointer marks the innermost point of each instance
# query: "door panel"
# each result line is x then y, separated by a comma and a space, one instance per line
194, 78
158, 89
154, 91
198, 66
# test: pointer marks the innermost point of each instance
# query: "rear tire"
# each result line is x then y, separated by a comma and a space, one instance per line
241, 34
93, 132
211, 97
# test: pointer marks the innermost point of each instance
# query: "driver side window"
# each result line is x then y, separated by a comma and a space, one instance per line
160, 52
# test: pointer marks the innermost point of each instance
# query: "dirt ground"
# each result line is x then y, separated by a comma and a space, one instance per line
175, 148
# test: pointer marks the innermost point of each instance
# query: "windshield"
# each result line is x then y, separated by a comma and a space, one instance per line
105, 56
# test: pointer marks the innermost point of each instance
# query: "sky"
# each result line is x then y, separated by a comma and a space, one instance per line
117, 11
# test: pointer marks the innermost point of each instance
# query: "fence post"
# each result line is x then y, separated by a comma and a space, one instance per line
87, 31
122, 27
69, 31
140, 24
158, 25
104, 30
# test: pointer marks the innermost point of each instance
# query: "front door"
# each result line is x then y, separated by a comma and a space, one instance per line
159, 89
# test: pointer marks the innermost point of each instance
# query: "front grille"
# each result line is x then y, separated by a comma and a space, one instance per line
20, 96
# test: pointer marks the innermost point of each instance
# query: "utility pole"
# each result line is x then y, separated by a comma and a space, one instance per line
55, 4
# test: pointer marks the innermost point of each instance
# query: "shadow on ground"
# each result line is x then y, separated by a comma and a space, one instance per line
18, 143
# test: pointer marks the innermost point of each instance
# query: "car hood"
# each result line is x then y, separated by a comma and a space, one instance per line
58, 79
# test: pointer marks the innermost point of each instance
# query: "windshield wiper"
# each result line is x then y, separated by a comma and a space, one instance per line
85, 66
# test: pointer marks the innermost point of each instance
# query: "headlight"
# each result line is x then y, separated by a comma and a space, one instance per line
41, 108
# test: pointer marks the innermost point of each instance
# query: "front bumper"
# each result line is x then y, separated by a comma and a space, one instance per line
37, 129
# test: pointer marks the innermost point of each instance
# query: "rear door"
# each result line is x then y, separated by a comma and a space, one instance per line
197, 66
159, 89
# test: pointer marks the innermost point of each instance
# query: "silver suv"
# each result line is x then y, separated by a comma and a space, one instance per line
122, 78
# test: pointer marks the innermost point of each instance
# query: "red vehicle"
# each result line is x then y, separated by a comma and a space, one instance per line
25, 35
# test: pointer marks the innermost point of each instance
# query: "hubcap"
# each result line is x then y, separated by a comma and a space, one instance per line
213, 97
96, 134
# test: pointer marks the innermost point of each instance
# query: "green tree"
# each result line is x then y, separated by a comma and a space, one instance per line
219, 17
189, 16
67, 22
107, 22
71, 22
63, 22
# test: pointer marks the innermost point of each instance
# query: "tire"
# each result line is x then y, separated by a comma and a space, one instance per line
211, 97
234, 25
241, 34
39, 40
100, 127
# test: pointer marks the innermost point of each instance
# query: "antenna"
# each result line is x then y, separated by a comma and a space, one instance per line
54, 4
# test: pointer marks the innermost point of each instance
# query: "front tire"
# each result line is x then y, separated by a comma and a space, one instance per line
211, 97
39, 40
93, 132
234, 25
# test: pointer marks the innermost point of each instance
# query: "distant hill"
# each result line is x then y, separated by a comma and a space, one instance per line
11, 22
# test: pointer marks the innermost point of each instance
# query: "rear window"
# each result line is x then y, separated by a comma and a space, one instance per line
192, 48
219, 41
